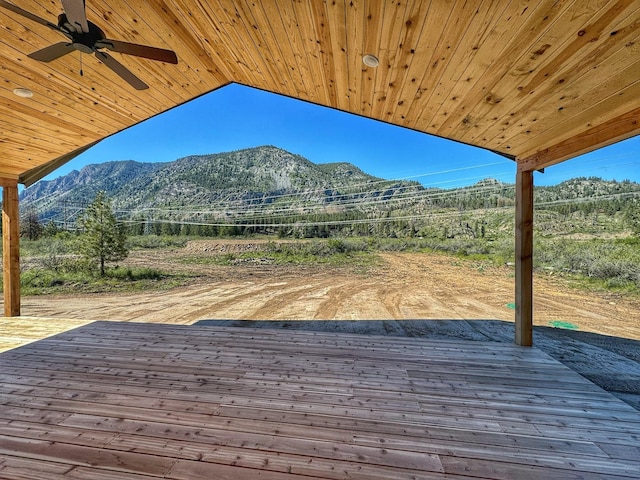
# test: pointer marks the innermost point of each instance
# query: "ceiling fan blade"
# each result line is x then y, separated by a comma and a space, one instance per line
76, 15
52, 52
121, 70
29, 15
152, 53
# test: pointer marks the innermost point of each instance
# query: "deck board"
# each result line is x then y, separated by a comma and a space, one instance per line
123, 400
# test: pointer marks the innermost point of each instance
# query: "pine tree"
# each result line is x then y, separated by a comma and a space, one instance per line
50, 230
31, 227
104, 238
632, 217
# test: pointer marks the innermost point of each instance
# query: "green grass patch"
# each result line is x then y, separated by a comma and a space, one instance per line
46, 282
611, 285
155, 242
333, 252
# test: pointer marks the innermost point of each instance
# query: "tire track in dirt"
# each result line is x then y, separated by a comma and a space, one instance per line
221, 302
347, 301
434, 286
392, 299
336, 296
189, 305
278, 305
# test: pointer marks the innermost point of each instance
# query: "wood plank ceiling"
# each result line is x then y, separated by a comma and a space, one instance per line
540, 81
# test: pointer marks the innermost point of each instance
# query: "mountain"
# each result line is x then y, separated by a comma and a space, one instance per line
264, 175
267, 189
82, 186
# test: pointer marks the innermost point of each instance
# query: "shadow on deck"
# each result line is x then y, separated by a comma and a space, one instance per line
612, 363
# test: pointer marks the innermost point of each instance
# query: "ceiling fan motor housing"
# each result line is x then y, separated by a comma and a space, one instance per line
84, 42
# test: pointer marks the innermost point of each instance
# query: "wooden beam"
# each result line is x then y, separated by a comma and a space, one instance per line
7, 180
617, 129
524, 258
11, 249
30, 177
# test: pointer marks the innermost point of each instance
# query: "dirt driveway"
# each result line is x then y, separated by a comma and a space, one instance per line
402, 286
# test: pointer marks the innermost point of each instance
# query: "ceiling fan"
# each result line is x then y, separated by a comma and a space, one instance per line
86, 37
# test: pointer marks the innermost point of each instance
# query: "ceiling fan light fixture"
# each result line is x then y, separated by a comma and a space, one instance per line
23, 92
370, 60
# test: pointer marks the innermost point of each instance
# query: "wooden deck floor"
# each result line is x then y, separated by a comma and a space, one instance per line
126, 401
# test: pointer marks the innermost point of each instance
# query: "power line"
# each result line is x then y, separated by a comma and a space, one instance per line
322, 209
339, 203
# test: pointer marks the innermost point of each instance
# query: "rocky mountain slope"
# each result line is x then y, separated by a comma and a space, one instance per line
264, 175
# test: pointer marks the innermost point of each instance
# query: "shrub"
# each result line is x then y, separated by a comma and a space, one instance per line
134, 274
142, 242
613, 262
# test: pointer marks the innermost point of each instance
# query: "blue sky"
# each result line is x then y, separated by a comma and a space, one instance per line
237, 117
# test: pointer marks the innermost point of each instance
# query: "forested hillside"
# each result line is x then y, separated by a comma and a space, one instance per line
267, 190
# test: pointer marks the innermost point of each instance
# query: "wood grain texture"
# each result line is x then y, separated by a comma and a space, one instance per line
524, 258
10, 248
135, 401
523, 78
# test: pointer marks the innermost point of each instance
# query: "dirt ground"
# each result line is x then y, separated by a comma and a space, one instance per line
402, 286
409, 294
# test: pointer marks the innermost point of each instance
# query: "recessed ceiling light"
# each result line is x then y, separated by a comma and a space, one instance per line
23, 92
370, 60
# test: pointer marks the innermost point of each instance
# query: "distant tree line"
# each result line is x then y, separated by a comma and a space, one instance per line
464, 212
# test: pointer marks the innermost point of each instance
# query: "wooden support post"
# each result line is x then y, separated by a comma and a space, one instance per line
524, 258
11, 249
